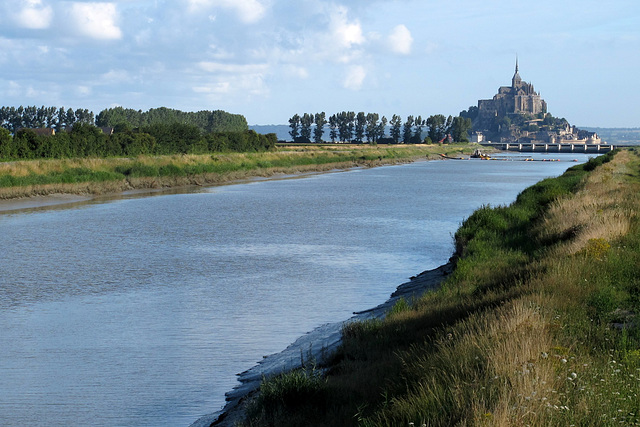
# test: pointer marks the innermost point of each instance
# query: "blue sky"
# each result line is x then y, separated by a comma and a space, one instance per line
270, 59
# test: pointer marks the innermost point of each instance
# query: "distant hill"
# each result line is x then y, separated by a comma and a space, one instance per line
624, 136
282, 131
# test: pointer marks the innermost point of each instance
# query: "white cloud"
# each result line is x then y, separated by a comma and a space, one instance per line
34, 15
237, 80
218, 67
355, 77
217, 52
218, 88
400, 40
333, 37
239, 86
345, 33
115, 76
83, 90
248, 11
296, 71
96, 20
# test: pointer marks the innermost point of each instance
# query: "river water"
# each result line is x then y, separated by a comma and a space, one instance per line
140, 311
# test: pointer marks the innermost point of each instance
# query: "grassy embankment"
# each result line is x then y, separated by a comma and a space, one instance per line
111, 175
538, 324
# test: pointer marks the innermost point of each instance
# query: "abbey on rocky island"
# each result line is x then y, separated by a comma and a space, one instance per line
517, 113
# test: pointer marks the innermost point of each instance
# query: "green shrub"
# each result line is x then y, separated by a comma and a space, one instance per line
288, 392
170, 170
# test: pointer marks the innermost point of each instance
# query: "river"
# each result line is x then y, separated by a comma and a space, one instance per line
140, 311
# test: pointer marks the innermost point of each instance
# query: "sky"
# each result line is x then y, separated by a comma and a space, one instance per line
271, 59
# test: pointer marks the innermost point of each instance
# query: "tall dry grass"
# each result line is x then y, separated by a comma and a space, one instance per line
600, 210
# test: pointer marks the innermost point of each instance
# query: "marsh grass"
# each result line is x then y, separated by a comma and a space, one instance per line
99, 176
538, 325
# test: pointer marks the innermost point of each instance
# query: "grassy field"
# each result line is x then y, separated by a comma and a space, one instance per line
111, 175
538, 324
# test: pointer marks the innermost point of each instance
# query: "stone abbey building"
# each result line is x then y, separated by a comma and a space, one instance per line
528, 119
519, 98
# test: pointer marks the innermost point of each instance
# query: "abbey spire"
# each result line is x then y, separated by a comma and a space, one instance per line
516, 80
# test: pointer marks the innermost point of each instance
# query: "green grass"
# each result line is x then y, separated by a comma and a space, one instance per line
68, 176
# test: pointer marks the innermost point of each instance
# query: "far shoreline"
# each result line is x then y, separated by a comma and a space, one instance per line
42, 197
61, 200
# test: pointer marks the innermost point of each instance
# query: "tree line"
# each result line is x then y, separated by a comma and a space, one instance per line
206, 121
85, 140
59, 118
349, 126
51, 132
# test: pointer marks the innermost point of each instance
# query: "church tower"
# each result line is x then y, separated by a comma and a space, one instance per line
516, 81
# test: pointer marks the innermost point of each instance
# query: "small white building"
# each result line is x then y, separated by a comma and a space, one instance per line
477, 137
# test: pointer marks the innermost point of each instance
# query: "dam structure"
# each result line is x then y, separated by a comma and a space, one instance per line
542, 147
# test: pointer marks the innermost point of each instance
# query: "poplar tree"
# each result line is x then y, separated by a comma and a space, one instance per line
306, 121
407, 130
360, 125
294, 124
321, 121
333, 128
396, 124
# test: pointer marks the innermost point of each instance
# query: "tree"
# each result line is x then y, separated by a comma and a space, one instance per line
306, 121
86, 140
470, 113
84, 116
503, 124
62, 119
333, 128
360, 127
130, 143
6, 146
437, 127
460, 128
26, 144
16, 119
294, 124
71, 119
206, 121
396, 124
351, 119
417, 134
371, 128
407, 131
381, 128
345, 125
29, 117
321, 121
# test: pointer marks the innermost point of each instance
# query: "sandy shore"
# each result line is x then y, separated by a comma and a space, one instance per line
316, 345
41, 201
